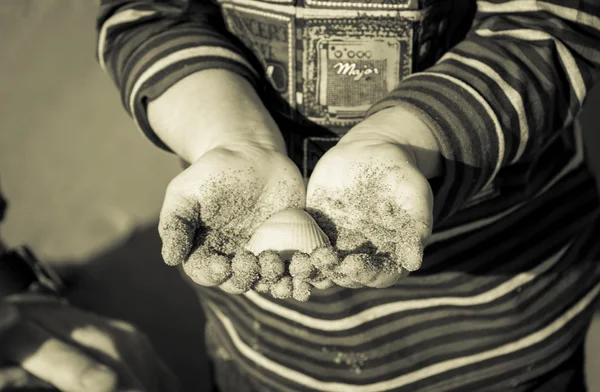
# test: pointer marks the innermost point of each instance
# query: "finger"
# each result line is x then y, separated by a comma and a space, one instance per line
207, 269
58, 363
384, 280
300, 290
262, 287
283, 288
343, 280
246, 268
17, 377
409, 250
235, 285
320, 281
178, 222
359, 267
272, 267
324, 258
301, 266
322, 284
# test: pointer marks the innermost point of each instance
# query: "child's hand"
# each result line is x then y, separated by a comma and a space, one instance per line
213, 207
374, 204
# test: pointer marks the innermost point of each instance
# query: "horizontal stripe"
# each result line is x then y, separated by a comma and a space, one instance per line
459, 332
237, 360
513, 96
512, 370
185, 54
464, 87
163, 45
576, 161
496, 244
126, 16
414, 376
487, 283
421, 340
469, 271
569, 64
570, 14
384, 310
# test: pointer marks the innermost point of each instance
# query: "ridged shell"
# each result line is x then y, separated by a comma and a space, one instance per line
287, 232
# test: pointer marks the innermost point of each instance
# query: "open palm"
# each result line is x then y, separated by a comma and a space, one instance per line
375, 206
212, 209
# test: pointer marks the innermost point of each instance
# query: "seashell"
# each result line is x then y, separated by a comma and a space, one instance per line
287, 232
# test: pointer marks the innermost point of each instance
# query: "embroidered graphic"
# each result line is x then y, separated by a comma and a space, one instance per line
351, 69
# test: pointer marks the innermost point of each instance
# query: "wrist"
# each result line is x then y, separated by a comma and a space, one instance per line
400, 125
209, 109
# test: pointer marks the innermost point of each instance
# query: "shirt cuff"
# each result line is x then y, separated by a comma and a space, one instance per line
458, 119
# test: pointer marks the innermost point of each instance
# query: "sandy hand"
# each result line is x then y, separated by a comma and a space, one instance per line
376, 207
212, 209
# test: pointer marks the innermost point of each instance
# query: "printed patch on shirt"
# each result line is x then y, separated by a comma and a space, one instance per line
270, 36
349, 64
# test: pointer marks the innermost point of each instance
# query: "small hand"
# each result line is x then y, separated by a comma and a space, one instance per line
212, 209
44, 343
374, 204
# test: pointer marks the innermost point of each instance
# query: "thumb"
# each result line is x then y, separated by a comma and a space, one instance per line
178, 222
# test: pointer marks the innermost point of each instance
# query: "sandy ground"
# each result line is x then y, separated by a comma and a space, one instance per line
85, 187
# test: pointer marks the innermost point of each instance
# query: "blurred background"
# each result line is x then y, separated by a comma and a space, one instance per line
85, 187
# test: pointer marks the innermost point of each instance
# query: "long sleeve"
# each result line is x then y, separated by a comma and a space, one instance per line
499, 96
146, 46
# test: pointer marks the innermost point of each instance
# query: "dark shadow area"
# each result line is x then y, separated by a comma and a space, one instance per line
132, 283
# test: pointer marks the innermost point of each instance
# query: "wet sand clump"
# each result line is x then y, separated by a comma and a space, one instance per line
301, 267
300, 290
283, 288
272, 267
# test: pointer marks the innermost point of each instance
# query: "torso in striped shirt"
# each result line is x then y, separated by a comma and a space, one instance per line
504, 295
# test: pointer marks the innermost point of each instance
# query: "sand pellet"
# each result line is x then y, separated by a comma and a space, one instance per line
300, 290
282, 289
271, 266
245, 265
301, 266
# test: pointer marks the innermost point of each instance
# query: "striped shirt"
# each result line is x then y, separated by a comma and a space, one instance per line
511, 276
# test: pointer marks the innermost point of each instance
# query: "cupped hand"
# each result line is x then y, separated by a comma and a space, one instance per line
47, 343
375, 205
213, 207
